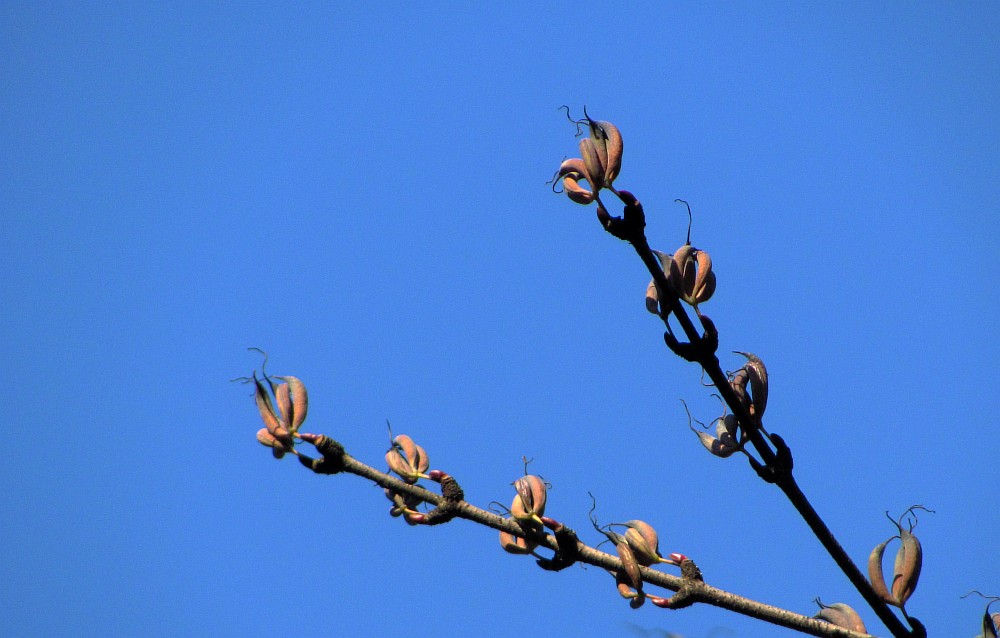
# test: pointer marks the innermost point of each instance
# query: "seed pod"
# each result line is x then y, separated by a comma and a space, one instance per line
731, 426
691, 275
645, 544
841, 615
595, 166
875, 576
653, 292
271, 421
529, 503
283, 397
624, 589
607, 141
407, 459
630, 565
572, 171
515, 544
724, 446
906, 570
300, 402
739, 385
758, 383
267, 439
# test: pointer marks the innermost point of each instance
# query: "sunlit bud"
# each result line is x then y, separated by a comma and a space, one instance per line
645, 544
529, 504
407, 459
840, 615
691, 275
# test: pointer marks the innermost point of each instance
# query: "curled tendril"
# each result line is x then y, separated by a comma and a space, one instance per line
526, 462
898, 522
498, 508
569, 117
691, 418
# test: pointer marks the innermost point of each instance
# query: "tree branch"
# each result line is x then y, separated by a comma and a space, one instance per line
775, 469
690, 587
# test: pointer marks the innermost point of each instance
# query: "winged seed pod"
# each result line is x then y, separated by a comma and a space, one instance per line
691, 275
407, 459
840, 615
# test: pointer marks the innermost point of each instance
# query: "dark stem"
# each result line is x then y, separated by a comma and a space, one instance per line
779, 474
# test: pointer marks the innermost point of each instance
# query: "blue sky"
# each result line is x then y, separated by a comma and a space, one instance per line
360, 190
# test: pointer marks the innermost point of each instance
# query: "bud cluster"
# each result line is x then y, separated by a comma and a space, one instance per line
281, 426
638, 546
410, 462
527, 510
689, 274
599, 166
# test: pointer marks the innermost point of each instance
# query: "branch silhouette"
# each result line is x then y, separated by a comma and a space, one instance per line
679, 280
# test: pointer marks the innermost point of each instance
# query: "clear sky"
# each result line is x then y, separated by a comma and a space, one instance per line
359, 189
